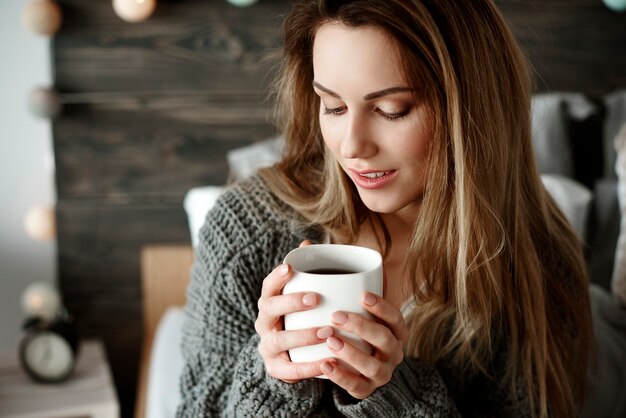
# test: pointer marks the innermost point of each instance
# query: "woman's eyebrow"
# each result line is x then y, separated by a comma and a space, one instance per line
385, 92
369, 96
325, 90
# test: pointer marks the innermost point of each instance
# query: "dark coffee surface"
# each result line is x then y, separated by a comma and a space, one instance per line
330, 271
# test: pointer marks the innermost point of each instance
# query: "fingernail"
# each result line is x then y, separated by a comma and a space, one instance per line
310, 299
324, 333
369, 299
283, 270
334, 343
328, 367
340, 317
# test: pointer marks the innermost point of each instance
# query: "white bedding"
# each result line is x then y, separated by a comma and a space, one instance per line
166, 364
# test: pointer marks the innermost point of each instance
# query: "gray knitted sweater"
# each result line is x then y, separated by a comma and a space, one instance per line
245, 236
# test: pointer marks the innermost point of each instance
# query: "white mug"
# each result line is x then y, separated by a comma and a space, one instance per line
339, 274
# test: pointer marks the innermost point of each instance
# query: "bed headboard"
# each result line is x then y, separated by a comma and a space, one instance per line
164, 279
151, 109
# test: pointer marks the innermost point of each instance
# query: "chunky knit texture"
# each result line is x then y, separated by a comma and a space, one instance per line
245, 236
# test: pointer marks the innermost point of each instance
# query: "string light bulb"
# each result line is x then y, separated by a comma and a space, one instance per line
45, 102
616, 5
40, 223
242, 3
42, 16
134, 11
42, 300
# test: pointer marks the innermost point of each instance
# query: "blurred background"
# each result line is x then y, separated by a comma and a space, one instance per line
113, 114
26, 169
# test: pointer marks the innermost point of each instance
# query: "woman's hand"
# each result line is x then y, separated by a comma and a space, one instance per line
386, 336
274, 340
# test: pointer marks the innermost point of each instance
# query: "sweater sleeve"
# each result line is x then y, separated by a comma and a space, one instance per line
415, 390
224, 374
418, 390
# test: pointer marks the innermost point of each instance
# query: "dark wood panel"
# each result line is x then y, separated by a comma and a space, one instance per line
186, 45
153, 152
99, 276
573, 45
151, 110
199, 44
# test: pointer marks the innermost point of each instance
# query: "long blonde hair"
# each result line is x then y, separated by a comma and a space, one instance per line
495, 265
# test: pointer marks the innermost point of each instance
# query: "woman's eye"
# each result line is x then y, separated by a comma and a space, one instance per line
393, 116
334, 110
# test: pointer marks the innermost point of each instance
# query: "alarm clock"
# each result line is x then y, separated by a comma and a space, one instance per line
48, 350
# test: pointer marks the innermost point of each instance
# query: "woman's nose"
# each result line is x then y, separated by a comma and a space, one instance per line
357, 141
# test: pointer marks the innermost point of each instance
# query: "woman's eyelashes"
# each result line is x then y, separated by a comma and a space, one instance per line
391, 116
394, 116
335, 110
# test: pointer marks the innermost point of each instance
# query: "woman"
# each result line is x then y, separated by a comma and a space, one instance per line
407, 130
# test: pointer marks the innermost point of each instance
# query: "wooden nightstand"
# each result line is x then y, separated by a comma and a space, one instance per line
88, 392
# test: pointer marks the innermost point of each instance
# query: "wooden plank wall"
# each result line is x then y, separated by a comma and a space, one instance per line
573, 45
152, 108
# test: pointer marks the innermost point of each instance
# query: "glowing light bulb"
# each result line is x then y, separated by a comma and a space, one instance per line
242, 3
36, 301
616, 5
42, 16
41, 299
40, 223
134, 10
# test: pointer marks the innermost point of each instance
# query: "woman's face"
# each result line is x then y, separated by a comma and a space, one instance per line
369, 118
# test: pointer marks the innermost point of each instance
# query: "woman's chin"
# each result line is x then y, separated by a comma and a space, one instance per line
390, 204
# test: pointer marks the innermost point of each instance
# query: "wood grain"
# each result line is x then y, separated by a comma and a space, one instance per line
187, 45
121, 154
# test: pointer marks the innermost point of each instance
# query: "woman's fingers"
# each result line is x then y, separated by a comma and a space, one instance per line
305, 243
272, 305
293, 372
275, 281
357, 386
272, 308
373, 332
369, 366
388, 313
293, 302
276, 342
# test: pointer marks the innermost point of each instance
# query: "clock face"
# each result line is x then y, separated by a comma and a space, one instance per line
48, 356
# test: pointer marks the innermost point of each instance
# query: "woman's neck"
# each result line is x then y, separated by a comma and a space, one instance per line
400, 224
400, 229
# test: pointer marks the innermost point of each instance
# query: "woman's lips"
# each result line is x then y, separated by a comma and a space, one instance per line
372, 179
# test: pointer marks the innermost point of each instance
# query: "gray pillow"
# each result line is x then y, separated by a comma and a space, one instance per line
618, 282
606, 224
549, 135
245, 161
606, 393
615, 104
